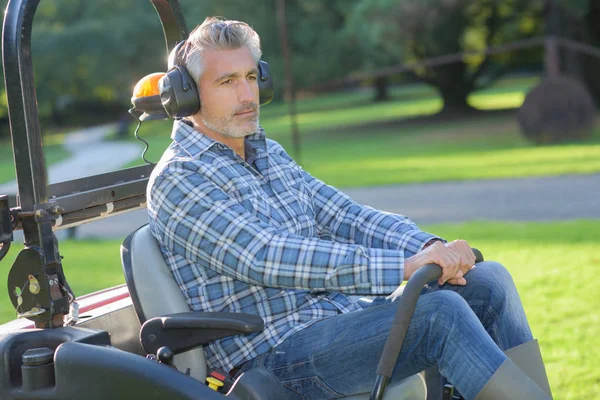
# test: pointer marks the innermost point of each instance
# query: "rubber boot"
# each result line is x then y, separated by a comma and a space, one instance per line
528, 358
509, 382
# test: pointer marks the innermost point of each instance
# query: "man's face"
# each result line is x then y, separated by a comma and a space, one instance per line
229, 94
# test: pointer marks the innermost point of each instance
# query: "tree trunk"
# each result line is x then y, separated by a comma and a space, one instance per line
453, 84
560, 23
55, 115
381, 89
591, 65
585, 29
455, 101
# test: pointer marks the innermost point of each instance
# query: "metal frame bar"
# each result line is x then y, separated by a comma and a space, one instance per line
23, 111
78, 194
93, 182
85, 193
172, 20
72, 202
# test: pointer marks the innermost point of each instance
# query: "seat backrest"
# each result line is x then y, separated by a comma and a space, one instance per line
154, 291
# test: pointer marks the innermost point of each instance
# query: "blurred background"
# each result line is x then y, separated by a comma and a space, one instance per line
378, 71
477, 118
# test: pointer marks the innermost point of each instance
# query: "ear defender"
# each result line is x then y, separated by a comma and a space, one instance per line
175, 94
178, 91
265, 83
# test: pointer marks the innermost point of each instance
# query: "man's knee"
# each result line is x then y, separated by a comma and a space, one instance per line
491, 274
493, 282
446, 306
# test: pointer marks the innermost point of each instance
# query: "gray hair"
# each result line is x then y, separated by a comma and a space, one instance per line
218, 34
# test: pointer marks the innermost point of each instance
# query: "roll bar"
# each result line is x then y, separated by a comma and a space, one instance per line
42, 208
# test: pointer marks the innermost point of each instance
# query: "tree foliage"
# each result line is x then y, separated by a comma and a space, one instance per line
412, 30
89, 54
319, 47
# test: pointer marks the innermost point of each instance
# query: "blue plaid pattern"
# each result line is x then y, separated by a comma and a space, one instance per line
264, 237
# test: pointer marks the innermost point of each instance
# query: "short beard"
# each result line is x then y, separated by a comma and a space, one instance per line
225, 125
221, 126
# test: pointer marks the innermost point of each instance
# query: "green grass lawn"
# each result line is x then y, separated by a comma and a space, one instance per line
53, 152
349, 141
489, 146
330, 115
555, 266
511, 87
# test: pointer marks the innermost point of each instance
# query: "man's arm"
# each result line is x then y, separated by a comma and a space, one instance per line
346, 221
197, 220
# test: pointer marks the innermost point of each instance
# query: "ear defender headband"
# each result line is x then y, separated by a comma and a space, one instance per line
178, 91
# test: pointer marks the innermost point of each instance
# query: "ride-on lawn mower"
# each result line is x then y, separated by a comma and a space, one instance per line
124, 342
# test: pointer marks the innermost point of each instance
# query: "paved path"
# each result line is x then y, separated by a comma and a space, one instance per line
91, 154
528, 199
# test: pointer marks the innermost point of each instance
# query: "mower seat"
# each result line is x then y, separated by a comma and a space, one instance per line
155, 293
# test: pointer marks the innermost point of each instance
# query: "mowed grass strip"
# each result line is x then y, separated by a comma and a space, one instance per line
319, 118
326, 114
555, 267
485, 164
485, 147
348, 141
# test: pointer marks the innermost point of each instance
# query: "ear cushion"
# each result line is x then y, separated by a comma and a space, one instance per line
175, 56
265, 83
179, 93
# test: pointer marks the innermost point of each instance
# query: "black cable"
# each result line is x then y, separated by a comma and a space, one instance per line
142, 140
137, 114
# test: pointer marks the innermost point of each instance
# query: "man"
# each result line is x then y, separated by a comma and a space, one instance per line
244, 229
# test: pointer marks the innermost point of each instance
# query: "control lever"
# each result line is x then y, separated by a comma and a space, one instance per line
404, 312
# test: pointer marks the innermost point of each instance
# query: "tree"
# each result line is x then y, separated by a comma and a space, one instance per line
320, 48
88, 56
576, 20
414, 30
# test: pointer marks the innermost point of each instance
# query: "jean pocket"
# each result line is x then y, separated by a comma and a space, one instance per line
311, 388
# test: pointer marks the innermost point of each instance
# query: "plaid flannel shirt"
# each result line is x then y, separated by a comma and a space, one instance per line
264, 237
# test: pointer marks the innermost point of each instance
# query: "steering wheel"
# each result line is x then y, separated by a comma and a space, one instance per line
406, 308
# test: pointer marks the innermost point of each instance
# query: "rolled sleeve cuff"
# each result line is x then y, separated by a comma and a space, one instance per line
416, 242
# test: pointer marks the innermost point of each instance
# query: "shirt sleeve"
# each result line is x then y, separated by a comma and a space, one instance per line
196, 219
347, 221
343, 220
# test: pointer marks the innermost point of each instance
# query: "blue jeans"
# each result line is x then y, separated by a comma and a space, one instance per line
462, 329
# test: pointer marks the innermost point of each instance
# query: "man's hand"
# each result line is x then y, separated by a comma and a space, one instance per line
466, 259
445, 257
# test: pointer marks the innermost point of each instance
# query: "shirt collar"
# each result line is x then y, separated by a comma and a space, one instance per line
195, 143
